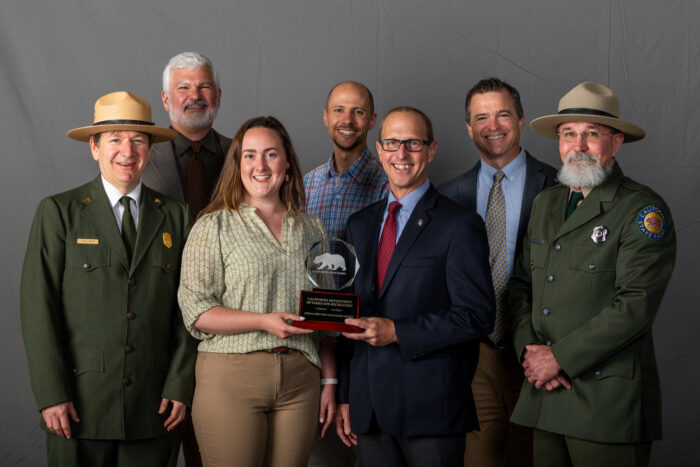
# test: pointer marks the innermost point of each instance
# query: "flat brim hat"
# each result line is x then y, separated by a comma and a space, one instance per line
588, 102
122, 110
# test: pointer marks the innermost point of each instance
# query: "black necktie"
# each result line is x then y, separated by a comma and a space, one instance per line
128, 227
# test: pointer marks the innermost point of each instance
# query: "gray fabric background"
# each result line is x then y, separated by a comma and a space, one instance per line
281, 57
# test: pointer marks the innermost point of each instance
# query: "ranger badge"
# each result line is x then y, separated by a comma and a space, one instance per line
599, 234
167, 240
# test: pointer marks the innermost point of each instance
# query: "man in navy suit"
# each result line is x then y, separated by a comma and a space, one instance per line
426, 298
495, 119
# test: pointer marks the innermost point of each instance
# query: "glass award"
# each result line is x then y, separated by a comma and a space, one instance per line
331, 266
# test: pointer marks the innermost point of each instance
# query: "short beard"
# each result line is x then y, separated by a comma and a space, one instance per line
582, 170
205, 119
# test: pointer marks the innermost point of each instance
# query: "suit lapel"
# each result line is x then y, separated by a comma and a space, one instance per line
468, 189
409, 235
99, 214
371, 237
150, 220
534, 183
165, 167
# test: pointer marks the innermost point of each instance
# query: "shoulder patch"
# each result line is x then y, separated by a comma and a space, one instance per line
652, 222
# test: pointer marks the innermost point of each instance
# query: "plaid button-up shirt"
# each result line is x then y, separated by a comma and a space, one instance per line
334, 197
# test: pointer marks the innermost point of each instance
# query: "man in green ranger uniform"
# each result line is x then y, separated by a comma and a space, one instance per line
597, 257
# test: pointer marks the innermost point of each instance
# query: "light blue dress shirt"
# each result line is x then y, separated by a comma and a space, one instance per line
408, 203
513, 185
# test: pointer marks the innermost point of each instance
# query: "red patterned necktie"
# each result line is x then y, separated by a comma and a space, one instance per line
195, 182
387, 243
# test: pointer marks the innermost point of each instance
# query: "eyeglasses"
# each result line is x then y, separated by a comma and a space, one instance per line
592, 136
412, 145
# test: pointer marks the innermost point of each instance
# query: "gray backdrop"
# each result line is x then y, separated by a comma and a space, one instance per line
281, 57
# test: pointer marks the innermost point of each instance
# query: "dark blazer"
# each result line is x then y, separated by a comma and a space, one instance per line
101, 332
161, 173
439, 294
538, 176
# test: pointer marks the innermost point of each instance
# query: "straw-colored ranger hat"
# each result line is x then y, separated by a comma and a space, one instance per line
122, 110
588, 102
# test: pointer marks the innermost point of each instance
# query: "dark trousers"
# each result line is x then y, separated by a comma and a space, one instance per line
183, 434
554, 450
75, 452
377, 449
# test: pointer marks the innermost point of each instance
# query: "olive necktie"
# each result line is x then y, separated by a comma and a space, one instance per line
128, 227
576, 196
496, 231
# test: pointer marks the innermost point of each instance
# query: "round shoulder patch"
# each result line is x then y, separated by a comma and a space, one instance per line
652, 222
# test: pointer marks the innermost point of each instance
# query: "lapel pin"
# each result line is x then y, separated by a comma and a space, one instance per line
420, 222
157, 201
599, 234
87, 199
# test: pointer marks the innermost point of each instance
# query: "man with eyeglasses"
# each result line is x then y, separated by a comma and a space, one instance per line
504, 182
597, 257
426, 299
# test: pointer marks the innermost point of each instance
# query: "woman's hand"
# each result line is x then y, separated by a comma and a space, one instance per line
327, 412
276, 324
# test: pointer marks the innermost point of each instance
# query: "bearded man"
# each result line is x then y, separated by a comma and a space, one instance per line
188, 167
596, 260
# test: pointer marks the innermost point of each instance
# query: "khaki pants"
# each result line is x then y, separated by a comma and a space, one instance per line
496, 387
255, 409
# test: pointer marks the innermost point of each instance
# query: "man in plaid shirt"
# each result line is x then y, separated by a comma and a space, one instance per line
353, 177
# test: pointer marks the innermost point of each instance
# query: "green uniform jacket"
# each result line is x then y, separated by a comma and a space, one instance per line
594, 304
97, 332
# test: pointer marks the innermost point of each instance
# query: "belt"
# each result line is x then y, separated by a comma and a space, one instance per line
278, 350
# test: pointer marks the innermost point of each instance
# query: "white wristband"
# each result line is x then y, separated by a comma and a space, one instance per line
325, 381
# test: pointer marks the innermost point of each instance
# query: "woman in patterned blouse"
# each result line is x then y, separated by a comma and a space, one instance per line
257, 398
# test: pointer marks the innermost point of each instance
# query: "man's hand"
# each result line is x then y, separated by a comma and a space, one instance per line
327, 412
177, 414
541, 368
377, 331
56, 418
343, 427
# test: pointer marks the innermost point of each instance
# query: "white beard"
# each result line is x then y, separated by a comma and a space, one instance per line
206, 118
583, 170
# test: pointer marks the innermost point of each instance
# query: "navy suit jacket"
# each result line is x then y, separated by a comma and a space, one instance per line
439, 294
538, 176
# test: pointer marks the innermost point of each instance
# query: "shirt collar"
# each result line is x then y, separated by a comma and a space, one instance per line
512, 170
409, 201
114, 195
181, 143
356, 169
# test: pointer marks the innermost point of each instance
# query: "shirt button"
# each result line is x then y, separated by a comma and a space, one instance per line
550, 278
168, 266
128, 349
591, 267
597, 373
549, 343
132, 281
86, 266
130, 315
546, 312
75, 371
557, 246
126, 381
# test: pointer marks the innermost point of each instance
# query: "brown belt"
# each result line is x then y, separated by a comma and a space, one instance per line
278, 350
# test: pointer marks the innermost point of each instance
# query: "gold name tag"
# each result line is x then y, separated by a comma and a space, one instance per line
88, 241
